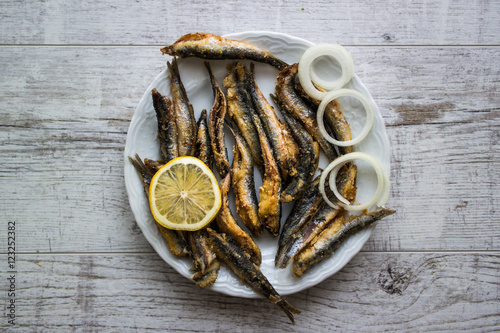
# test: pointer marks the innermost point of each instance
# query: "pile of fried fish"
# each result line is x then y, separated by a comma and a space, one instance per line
286, 154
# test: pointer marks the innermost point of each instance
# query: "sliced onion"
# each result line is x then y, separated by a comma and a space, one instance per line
381, 195
307, 76
370, 116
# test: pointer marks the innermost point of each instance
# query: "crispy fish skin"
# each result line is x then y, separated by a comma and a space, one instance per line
346, 184
203, 148
282, 143
210, 46
208, 277
242, 174
205, 262
240, 108
167, 133
227, 224
202, 255
175, 241
183, 110
307, 161
293, 151
239, 262
269, 192
303, 209
292, 103
216, 126
153, 165
335, 121
330, 239
314, 225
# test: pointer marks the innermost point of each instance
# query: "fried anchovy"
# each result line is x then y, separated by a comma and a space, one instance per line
311, 228
239, 262
346, 184
269, 192
293, 152
198, 242
242, 174
205, 261
167, 132
181, 237
240, 108
306, 164
216, 126
183, 110
208, 277
290, 101
175, 241
210, 46
227, 224
278, 134
330, 239
303, 209
203, 149
335, 121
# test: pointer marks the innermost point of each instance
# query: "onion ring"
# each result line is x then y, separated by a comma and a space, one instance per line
370, 116
307, 76
381, 195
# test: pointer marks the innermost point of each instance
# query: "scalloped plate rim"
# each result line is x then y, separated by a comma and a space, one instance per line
159, 245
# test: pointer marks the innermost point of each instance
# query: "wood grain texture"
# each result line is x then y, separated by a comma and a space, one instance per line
375, 292
65, 118
71, 75
158, 22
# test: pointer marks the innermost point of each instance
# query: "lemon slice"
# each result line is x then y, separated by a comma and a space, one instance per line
184, 194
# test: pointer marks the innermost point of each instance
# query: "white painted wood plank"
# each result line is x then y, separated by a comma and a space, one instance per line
444, 192
64, 113
101, 86
160, 22
375, 292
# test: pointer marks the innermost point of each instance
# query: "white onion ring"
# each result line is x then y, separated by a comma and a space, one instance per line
381, 195
340, 53
370, 116
307, 76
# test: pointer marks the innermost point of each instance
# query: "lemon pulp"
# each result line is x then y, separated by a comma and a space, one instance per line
184, 194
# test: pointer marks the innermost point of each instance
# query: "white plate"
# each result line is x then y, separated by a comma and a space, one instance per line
141, 139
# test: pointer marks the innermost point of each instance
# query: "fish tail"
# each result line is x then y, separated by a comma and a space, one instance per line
141, 168
288, 309
137, 163
213, 81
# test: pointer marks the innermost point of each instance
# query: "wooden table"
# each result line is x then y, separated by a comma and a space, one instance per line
71, 75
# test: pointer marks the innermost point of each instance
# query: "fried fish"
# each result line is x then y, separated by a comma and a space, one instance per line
210, 46
291, 102
330, 239
227, 224
183, 112
239, 262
